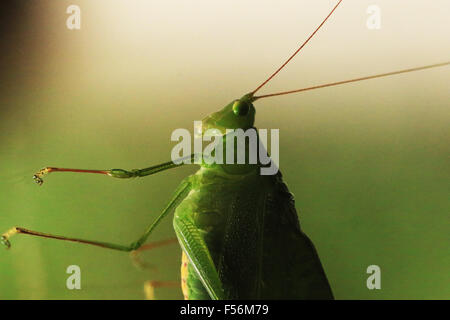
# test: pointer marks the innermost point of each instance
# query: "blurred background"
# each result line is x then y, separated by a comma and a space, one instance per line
367, 162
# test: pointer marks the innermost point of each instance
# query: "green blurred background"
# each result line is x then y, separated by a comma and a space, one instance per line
368, 162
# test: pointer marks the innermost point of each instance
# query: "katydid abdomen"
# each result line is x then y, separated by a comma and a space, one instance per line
250, 228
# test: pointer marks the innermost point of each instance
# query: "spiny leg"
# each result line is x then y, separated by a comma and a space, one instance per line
181, 192
115, 173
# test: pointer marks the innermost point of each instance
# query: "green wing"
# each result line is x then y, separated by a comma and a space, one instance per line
241, 253
291, 266
264, 254
194, 246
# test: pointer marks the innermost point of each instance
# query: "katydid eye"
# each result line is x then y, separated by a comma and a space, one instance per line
240, 108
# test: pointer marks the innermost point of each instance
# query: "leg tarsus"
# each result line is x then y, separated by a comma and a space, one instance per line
37, 177
5, 237
4, 241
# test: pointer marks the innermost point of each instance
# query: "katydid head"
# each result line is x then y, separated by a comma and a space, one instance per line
238, 114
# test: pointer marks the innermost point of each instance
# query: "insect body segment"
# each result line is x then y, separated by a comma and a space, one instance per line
184, 275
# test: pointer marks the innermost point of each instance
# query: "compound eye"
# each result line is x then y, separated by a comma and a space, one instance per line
240, 108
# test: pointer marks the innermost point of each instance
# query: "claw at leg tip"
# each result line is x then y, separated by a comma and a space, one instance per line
38, 176
4, 240
38, 180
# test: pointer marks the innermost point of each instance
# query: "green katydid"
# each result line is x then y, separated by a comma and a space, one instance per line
239, 230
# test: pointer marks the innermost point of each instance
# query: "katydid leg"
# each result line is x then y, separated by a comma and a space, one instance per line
181, 192
115, 173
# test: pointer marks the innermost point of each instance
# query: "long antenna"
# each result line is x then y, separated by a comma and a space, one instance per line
353, 80
300, 48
